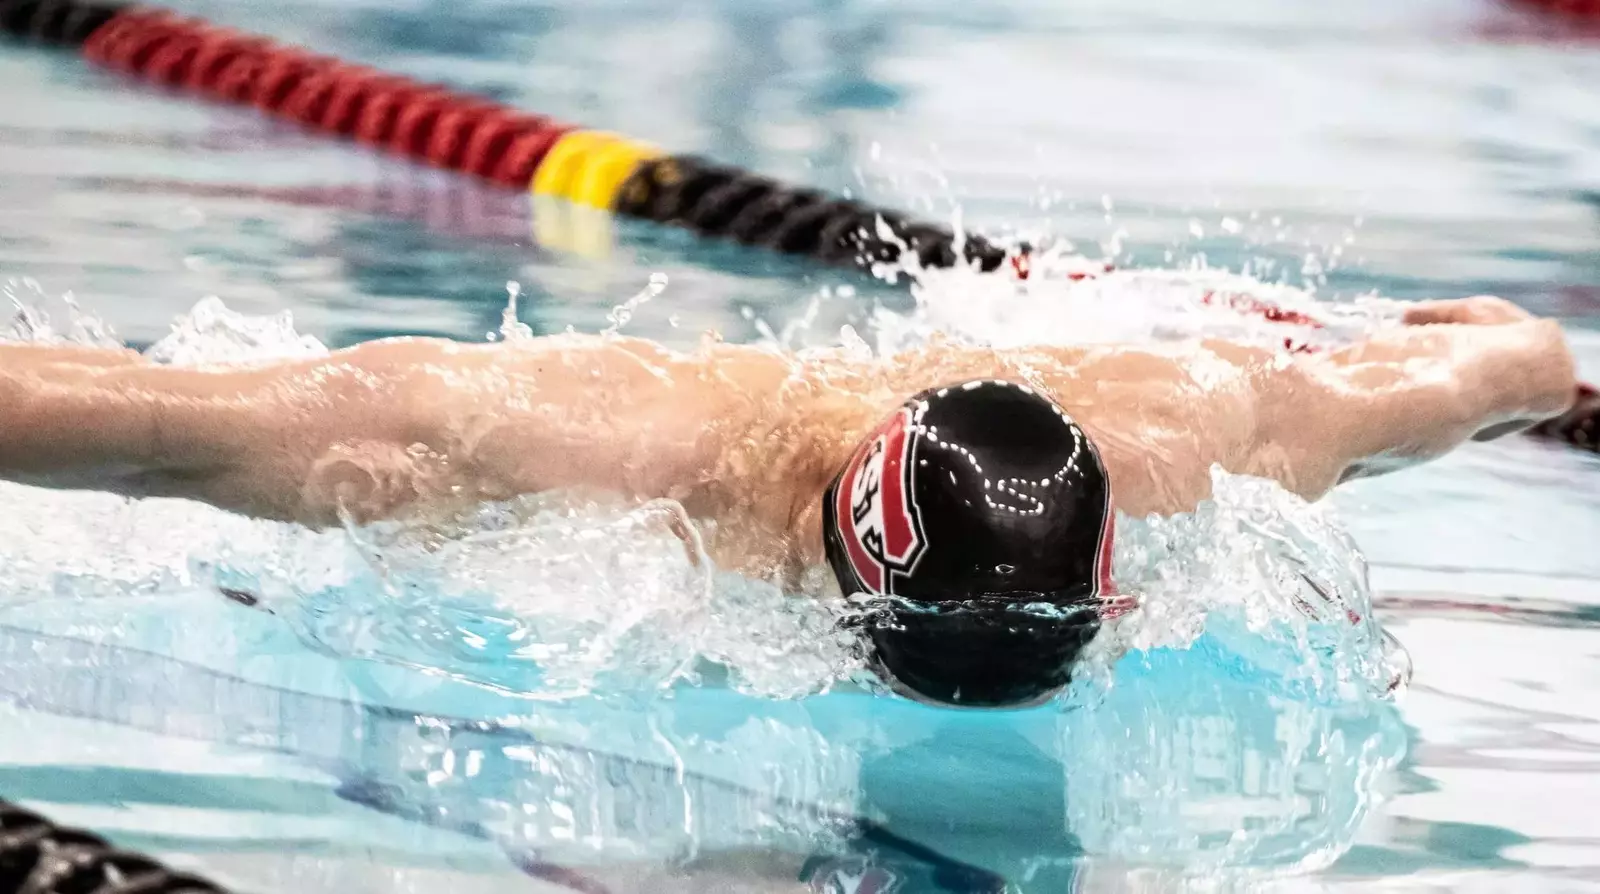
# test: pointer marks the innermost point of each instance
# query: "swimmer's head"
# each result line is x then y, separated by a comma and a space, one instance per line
982, 513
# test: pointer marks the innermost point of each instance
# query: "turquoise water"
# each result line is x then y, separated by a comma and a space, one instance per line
1442, 148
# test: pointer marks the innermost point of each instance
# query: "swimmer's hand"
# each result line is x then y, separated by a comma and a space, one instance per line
1484, 310
1471, 369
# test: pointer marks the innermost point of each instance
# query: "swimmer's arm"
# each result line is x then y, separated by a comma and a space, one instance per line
237, 437
1459, 370
287, 440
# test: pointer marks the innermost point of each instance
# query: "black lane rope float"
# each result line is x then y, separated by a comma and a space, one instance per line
517, 149
39, 857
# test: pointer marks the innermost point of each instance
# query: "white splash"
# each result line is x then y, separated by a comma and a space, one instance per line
622, 314
557, 597
1059, 304
31, 322
1283, 571
213, 334
512, 329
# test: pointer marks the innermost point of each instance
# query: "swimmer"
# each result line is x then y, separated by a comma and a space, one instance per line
961, 483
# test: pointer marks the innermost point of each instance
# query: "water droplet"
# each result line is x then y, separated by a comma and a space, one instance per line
1005, 569
510, 327
623, 313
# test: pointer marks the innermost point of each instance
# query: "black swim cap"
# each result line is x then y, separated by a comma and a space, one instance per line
972, 505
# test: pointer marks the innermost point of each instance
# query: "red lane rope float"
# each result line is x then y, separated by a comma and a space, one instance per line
1572, 9
383, 111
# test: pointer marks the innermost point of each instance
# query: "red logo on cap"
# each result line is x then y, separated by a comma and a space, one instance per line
876, 510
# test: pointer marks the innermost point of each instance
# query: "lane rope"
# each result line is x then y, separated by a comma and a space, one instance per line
40, 857
549, 158
471, 135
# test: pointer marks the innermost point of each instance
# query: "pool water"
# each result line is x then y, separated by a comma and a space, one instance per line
325, 740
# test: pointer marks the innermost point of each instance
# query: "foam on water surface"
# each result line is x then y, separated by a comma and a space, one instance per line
1065, 300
